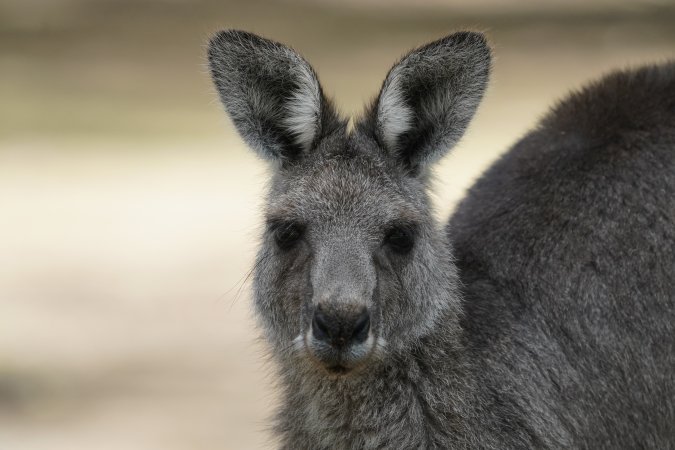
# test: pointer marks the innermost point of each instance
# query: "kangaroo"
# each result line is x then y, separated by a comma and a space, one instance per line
540, 316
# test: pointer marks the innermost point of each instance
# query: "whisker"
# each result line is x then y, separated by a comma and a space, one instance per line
242, 282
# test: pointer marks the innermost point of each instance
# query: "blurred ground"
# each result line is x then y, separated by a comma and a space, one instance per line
128, 207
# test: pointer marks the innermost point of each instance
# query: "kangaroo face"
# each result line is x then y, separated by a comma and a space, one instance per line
345, 237
352, 266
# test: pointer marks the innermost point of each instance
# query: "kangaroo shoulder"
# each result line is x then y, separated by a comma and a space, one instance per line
596, 176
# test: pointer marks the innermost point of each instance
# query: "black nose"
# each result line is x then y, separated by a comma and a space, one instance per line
340, 326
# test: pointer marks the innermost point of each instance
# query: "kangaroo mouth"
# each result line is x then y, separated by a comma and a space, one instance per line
339, 361
338, 369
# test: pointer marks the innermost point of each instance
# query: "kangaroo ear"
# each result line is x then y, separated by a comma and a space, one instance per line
271, 94
429, 97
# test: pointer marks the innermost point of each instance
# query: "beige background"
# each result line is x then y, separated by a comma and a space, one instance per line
129, 208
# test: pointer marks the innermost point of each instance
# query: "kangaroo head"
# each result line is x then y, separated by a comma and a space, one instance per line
352, 268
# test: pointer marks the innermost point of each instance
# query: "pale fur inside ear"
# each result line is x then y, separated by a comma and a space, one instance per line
394, 117
429, 97
303, 108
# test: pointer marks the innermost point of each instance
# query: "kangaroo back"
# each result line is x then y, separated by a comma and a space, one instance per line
566, 250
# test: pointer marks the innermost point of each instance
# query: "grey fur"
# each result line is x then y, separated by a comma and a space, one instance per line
439, 87
550, 323
261, 84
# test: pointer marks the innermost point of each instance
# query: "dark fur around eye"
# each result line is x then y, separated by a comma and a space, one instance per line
400, 238
286, 233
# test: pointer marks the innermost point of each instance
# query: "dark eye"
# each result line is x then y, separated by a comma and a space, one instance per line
286, 234
400, 238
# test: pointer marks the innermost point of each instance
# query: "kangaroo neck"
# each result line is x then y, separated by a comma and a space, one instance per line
385, 406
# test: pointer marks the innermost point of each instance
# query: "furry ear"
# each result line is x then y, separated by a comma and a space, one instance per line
271, 94
429, 97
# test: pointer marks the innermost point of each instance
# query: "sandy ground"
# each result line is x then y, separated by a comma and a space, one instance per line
129, 209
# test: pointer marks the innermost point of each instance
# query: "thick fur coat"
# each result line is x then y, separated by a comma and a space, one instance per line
541, 316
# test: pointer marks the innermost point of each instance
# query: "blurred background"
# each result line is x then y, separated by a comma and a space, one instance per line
129, 207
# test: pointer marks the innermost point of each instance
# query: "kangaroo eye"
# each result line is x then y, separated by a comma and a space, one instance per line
287, 234
400, 239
